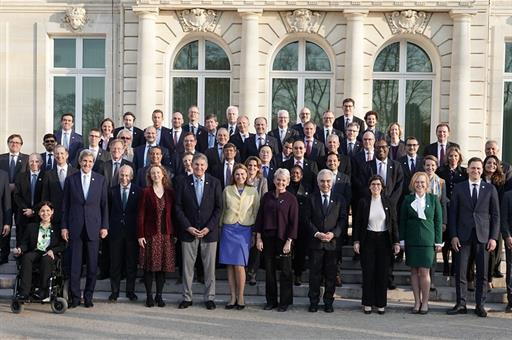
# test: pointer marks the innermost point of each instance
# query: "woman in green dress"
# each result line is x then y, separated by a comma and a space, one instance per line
421, 230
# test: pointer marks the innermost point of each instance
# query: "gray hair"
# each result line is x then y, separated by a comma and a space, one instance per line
85, 153
283, 112
36, 155
325, 172
200, 156
333, 136
127, 167
231, 107
282, 172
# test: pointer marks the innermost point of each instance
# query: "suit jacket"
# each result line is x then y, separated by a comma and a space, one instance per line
108, 168
300, 130
239, 143
394, 178
219, 173
101, 157
320, 135
406, 169
53, 192
317, 150
137, 135
421, 232
123, 221
451, 179
21, 164
139, 153
484, 216
344, 147
201, 137
166, 139
506, 215
80, 213
5, 199
400, 150
100, 144
250, 148
333, 220
431, 149
22, 195
226, 126
342, 186
272, 167
75, 144
339, 123
29, 241
378, 134
309, 169
345, 164
360, 224
45, 161
290, 133
200, 215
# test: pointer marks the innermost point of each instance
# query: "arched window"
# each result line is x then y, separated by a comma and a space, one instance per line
402, 89
200, 75
301, 76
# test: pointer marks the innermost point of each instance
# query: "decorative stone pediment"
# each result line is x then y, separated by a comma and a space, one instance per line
198, 20
408, 21
76, 18
303, 21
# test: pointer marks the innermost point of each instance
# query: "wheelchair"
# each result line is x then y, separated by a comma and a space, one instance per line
55, 298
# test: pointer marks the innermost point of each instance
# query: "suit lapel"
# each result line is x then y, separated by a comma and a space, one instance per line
483, 191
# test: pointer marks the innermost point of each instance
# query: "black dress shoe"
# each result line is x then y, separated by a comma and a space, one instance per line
112, 298
74, 304
313, 308
328, 309
480, 311
282, 308
88, 304
270, 306
508, 309
239, 307
159, 301
210, 305
391, 286
149, 301
228, 306
184, 304
132, 296
298, 281
497, 274
457, 309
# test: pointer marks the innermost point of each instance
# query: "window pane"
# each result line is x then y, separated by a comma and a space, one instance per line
508, 57
184, 94
94, 53
64, 53
385, 101
317, 97
507, 122
63, 98
187, 57
216, 98
288, 58
388, 59
417, 59
284, 97
216, 58
418, 108
316, 59
93, 103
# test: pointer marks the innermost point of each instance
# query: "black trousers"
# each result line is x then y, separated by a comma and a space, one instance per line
322, 263
124, 254
300, 251
28, 260
254, 260
104, 257
508, 278
375, 263
274, 257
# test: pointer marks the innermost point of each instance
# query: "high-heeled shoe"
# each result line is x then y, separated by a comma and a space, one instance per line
159, 301
239, 307
423, 311
231, 306
150, 302
416, 310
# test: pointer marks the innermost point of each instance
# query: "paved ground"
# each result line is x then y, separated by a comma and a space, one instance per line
133, 320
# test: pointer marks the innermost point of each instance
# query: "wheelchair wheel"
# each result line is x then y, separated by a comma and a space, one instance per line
16, 307
59, 305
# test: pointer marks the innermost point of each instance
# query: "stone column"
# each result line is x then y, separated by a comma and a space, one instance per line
249, 64
460, 77
354, 56
146, 64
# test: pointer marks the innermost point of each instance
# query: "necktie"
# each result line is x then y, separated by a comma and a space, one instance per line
62, 178
85, 186
347, 121
175, 138
441, 155
66, 140
326, 134
369, 156
413, 166
49, 165
265, 171
381, 171
325, 203
231, 130
12, 169
474, 195
115, 170
229, 171
221, 154
199, 190
146, 162
260, 142
308, 148
125, 197
350, 148
211, 140
192, 129
33, 182
298, 163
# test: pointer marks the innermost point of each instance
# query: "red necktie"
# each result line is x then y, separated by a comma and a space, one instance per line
308, 148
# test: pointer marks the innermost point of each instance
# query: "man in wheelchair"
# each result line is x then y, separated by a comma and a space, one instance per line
39, 246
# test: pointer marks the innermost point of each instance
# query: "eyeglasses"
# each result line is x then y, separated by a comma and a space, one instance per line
14, 142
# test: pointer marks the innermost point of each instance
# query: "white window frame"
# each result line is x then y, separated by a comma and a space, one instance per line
507, 78
79, 73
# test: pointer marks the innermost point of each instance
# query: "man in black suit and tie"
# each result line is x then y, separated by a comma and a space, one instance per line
309, 168
5, 208
333, 146
242, 135
283, 132
128, 124
141, 153
175, 144
163, 134
223, 171
253, 144
71, 140
155, 158
342, 122
314, 148
198, 208
198, 130
327, 129
100, 156
474, 225
304, 116
350, 146
189, 145
327, 221
268, 165
215, 155
84, 222
13, 162
49, 143
286, 154
27, 195
440, 147
232, 118
124, 249
114, 163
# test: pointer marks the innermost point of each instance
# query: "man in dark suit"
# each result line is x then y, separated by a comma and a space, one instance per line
155, 157
328, 216
242, 135
128, 124
211, 124
215, 155
5, 208
309, 168
27, 195
286, 153
232, 118
314, 148
84, 222
174, 142
440, 147
283, 132
253, 144
198, 130
333, 146
100, 156
49, 143
474, 225
224, 171
141, 153
304, 116
341, 123
268, 165
327, 129
411, 162
124, 249
371, 118
189, 145
13, 162
163, 135
114, 163
71, 140
350, 146
198, 208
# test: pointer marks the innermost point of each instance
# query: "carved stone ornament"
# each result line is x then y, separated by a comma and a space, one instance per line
76, 18
408, 21
198, 20
303, 21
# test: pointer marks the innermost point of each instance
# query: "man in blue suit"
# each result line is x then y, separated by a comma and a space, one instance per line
71, 140
84, 221
474, 225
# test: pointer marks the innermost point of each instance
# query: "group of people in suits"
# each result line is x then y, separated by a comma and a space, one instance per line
162, 198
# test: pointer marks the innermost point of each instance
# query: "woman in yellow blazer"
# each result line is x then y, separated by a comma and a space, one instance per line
241, 204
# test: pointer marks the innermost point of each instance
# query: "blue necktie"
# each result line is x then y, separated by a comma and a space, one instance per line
199, 190
265, 171
50, 163
12, 169
33, 182
474, 195
125, 197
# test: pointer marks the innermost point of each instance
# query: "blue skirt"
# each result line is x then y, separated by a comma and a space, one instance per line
235, 240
